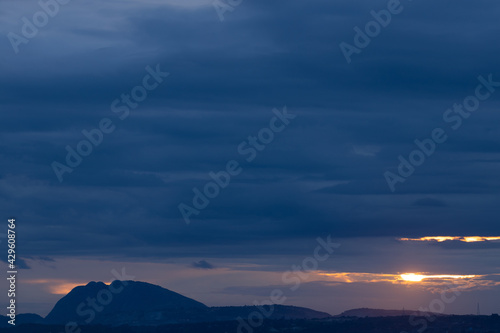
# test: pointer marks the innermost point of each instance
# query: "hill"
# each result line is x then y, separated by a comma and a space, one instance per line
144, 304
366, 312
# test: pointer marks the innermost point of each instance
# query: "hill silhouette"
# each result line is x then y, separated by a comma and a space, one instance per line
143, 304
367, 312
101, 303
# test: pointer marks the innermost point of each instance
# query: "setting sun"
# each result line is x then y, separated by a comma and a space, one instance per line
412, 277
439, 239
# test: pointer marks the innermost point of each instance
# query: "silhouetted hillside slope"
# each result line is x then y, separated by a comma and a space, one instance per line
144, 304
366, 312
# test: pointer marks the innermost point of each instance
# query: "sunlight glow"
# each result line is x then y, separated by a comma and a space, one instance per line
57, 286
412, 277
439, 239
353, 277
63, 289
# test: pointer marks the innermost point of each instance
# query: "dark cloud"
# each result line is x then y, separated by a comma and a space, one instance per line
322, 175
20, 263
202, 264
429, 202
458, 245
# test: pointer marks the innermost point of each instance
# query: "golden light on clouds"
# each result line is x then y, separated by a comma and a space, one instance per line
439, 239
57, 286
426, 281
349, 277
480, 239
63, 289
412, 277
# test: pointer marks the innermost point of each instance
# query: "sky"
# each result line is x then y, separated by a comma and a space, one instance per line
212, 143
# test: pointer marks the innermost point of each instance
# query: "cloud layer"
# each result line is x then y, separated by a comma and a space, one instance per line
322, 175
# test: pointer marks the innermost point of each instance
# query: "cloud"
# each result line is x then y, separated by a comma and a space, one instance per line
323, 175
440, 239
202, 264
429, 202
368, 151
20, 263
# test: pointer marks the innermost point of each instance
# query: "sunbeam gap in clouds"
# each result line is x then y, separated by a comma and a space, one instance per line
466, 239
425, 280
415, 277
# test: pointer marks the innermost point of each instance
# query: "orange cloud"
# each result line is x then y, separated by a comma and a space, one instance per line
432, 282
439, 239
412, 277
350, 277
57, 286
63, 289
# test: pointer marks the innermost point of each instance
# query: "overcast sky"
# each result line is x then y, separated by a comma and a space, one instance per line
323, 173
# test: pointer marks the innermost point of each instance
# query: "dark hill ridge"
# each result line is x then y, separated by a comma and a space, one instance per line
23, 318
120, 297
366, 312
279, 312
140, 303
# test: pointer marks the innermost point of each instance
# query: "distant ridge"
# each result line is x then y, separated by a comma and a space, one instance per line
23, 318
367, 312
279, 312
144, 304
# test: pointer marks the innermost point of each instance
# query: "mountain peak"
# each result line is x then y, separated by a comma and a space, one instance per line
93, 284
97, 301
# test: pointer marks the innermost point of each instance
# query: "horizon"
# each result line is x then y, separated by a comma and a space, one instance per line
410, 311
345, 154
299, 285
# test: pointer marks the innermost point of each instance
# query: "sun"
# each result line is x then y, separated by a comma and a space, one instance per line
412, 277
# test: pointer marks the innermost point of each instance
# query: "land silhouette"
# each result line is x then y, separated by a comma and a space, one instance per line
136, 307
